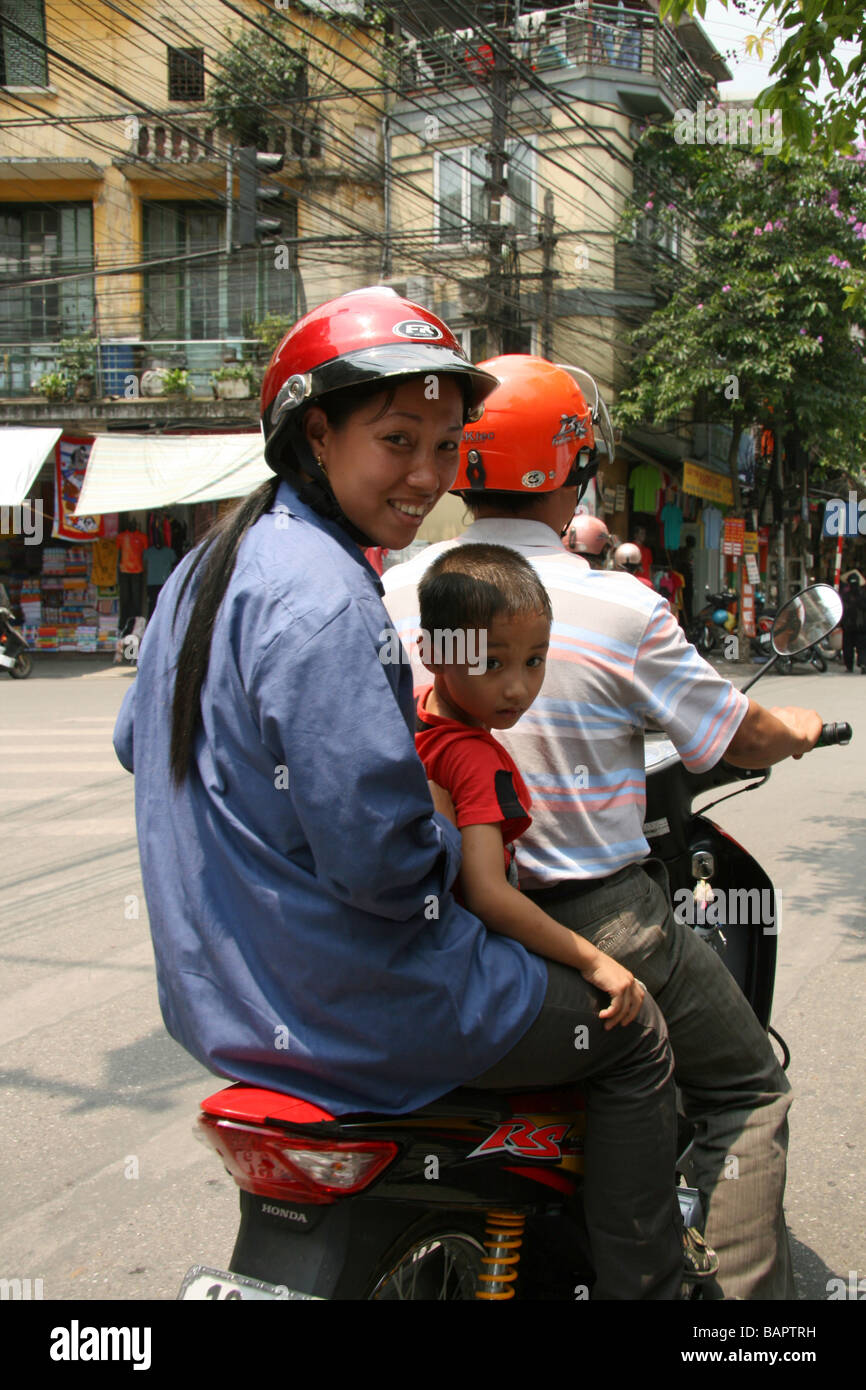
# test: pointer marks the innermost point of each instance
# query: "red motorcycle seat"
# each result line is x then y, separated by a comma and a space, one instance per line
255, 1105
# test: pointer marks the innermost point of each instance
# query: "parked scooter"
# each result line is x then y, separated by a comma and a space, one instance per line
478, 1195
762, 647
715, 622
14, 653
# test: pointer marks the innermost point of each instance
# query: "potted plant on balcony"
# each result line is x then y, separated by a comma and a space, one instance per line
54, 386
235, 382
270, 331
176, 382
77, 359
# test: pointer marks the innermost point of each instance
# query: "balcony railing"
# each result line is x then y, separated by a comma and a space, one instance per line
192, 138
123, 363
599, 37
182, 141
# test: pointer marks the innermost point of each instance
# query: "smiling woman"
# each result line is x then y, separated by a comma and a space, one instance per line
288, 843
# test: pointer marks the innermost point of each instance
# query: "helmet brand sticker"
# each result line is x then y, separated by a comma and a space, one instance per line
417, 329
571, 427
533, 479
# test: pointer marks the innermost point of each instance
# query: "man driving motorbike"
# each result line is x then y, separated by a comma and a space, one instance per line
618, 660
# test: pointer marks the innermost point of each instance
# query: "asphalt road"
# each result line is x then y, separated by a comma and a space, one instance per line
105, 1192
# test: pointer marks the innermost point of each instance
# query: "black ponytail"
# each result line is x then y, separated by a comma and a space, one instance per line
219, 549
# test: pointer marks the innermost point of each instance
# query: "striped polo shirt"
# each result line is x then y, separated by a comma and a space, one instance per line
618, 661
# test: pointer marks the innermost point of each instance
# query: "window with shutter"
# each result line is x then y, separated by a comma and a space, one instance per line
23, 61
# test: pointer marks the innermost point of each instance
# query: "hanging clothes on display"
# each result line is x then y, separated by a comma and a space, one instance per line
672, 520
644, 484
712, 520
177, 537
104, 570
132, 544
159, 562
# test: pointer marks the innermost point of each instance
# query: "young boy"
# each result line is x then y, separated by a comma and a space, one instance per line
473, 593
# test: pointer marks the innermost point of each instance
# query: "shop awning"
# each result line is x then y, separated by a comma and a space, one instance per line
132, 472
22, 454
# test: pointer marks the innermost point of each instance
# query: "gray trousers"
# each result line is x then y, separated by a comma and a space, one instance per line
626, 1076
732, 1087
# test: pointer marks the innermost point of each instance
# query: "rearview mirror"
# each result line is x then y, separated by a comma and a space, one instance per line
806, 619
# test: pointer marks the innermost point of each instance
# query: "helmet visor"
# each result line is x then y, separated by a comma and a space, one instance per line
602, 427
390, 360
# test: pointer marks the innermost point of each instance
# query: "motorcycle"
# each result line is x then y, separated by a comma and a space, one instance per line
478, 1195
715, 622
813, 656
14, 653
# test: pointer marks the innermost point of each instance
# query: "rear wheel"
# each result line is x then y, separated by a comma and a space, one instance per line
22, 668
818, 662
441, 1265
706, 639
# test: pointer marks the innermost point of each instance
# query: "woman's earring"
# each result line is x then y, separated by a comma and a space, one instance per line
320, 461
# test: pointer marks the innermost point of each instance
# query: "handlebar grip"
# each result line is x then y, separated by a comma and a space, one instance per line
834, 733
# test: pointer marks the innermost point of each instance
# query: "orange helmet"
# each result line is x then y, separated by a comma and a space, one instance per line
538, 431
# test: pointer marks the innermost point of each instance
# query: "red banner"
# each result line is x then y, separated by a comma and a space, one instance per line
70, 465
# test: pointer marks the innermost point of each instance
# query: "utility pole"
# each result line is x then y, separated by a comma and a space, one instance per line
230, 197
548, 241
497, 187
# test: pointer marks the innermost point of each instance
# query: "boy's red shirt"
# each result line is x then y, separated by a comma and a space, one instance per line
480, 777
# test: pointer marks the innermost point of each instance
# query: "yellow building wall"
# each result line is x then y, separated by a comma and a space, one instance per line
79, 118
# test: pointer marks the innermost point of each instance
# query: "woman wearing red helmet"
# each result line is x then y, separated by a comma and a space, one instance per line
297, 880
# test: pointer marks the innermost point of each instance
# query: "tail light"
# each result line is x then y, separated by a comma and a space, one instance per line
271, 1163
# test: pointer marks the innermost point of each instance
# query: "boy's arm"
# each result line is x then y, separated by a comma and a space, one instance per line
442, 802
487, 893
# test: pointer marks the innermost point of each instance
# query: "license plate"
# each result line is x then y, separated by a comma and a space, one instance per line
202, 1283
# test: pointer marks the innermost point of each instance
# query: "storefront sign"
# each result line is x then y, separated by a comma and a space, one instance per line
750, 543
734, 534
748, 600
712, 487
752, 570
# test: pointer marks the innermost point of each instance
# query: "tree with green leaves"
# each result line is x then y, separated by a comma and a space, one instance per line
754, 323
752, 326
261, 81
806, 60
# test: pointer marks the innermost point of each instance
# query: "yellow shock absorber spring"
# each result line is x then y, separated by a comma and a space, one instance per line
503, 1238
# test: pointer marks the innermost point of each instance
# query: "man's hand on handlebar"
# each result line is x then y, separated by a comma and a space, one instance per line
805, 724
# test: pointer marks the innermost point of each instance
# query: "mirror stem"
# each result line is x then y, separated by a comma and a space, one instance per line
763, 671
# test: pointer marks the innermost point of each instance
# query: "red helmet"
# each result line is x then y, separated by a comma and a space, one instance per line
363, 336
588, 535
538, 433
